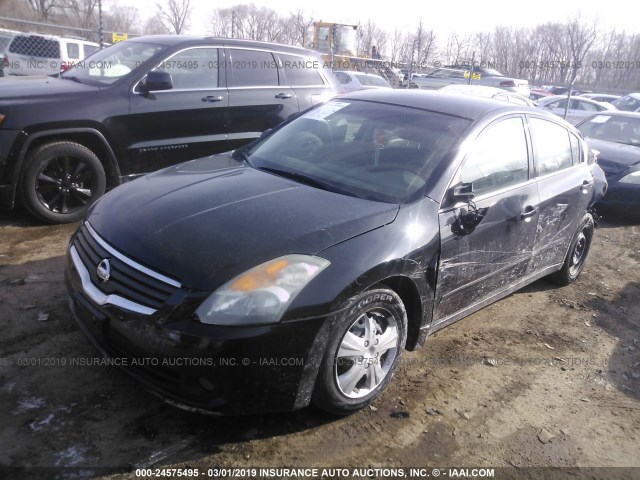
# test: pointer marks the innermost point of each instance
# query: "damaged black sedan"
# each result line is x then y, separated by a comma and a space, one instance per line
298, 269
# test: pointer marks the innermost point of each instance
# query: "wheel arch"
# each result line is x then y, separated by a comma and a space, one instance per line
90, 138
408, 292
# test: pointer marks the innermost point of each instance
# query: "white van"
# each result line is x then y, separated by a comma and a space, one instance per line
36, 54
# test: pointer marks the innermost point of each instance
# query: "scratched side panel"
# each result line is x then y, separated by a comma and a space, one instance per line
495, 255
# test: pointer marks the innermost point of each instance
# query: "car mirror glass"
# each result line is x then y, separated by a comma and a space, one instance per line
463, 191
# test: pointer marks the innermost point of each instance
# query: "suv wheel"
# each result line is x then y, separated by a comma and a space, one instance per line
60, 182
362, 355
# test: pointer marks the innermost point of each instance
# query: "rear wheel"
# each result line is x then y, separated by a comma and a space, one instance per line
363, 354
60, 182
577, 255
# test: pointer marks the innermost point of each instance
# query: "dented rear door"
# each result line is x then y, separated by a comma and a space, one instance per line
565, 186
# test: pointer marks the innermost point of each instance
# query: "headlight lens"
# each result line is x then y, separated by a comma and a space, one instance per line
260, 295
633, 177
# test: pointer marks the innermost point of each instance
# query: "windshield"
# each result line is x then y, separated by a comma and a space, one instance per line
112, 63
369, 150
612, 128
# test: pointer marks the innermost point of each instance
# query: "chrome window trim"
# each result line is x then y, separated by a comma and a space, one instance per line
130, 262
99, 297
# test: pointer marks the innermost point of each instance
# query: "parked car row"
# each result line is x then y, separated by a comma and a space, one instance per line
456, 75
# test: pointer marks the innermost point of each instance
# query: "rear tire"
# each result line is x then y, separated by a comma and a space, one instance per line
60, 182
577, 255
368, 340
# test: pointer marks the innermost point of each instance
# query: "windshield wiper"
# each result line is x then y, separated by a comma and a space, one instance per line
244, 156
302, 178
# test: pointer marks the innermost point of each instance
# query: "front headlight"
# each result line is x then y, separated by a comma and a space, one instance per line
260, 295
633, 177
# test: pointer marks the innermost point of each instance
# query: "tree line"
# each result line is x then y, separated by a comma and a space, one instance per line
576, 50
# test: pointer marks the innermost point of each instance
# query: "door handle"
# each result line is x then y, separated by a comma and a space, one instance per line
585, 186
528, 213
212, 98
283, 95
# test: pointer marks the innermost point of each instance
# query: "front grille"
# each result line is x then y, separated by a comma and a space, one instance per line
128, 279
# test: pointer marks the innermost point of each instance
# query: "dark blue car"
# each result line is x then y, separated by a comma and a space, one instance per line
615, 136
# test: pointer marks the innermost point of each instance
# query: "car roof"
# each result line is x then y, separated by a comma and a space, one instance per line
465, 106
172, 40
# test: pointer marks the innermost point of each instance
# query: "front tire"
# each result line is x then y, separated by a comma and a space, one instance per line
60, 182
368, 340
577, 255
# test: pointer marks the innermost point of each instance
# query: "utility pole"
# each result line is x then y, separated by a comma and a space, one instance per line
100, 31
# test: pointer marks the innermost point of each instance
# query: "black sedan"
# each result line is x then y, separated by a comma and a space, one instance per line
299, 268
616, 138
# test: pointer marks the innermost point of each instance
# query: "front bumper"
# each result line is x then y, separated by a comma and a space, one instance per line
215, 369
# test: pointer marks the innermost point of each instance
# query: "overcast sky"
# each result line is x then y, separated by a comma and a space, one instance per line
444, 16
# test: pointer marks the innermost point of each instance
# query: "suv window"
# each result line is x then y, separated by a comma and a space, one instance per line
73, 51
302, 71
253, 68
499, 158
192, 69
36, 46
552, 147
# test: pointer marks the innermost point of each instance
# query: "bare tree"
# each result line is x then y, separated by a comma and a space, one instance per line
43, 8
580, 38
155, 26
299, 29
175, 14
121, 19
370, 35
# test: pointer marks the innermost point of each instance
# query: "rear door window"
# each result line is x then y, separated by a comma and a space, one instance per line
253, 68
552, 146
301, 71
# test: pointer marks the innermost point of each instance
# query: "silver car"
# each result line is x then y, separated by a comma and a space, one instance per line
442, 77
353, 81
579, 107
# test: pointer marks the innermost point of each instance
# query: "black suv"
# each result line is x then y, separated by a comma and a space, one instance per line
141, 105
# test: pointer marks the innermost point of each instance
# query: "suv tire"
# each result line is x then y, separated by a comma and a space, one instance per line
60, 182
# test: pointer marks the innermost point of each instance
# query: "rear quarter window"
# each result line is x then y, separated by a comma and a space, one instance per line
35, 46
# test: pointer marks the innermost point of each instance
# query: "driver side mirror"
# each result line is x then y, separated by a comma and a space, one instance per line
156, 81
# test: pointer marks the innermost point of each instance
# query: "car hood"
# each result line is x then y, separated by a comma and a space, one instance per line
205, 221
32, 88
615, 158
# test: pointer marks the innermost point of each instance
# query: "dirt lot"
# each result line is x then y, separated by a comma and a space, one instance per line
547, 377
